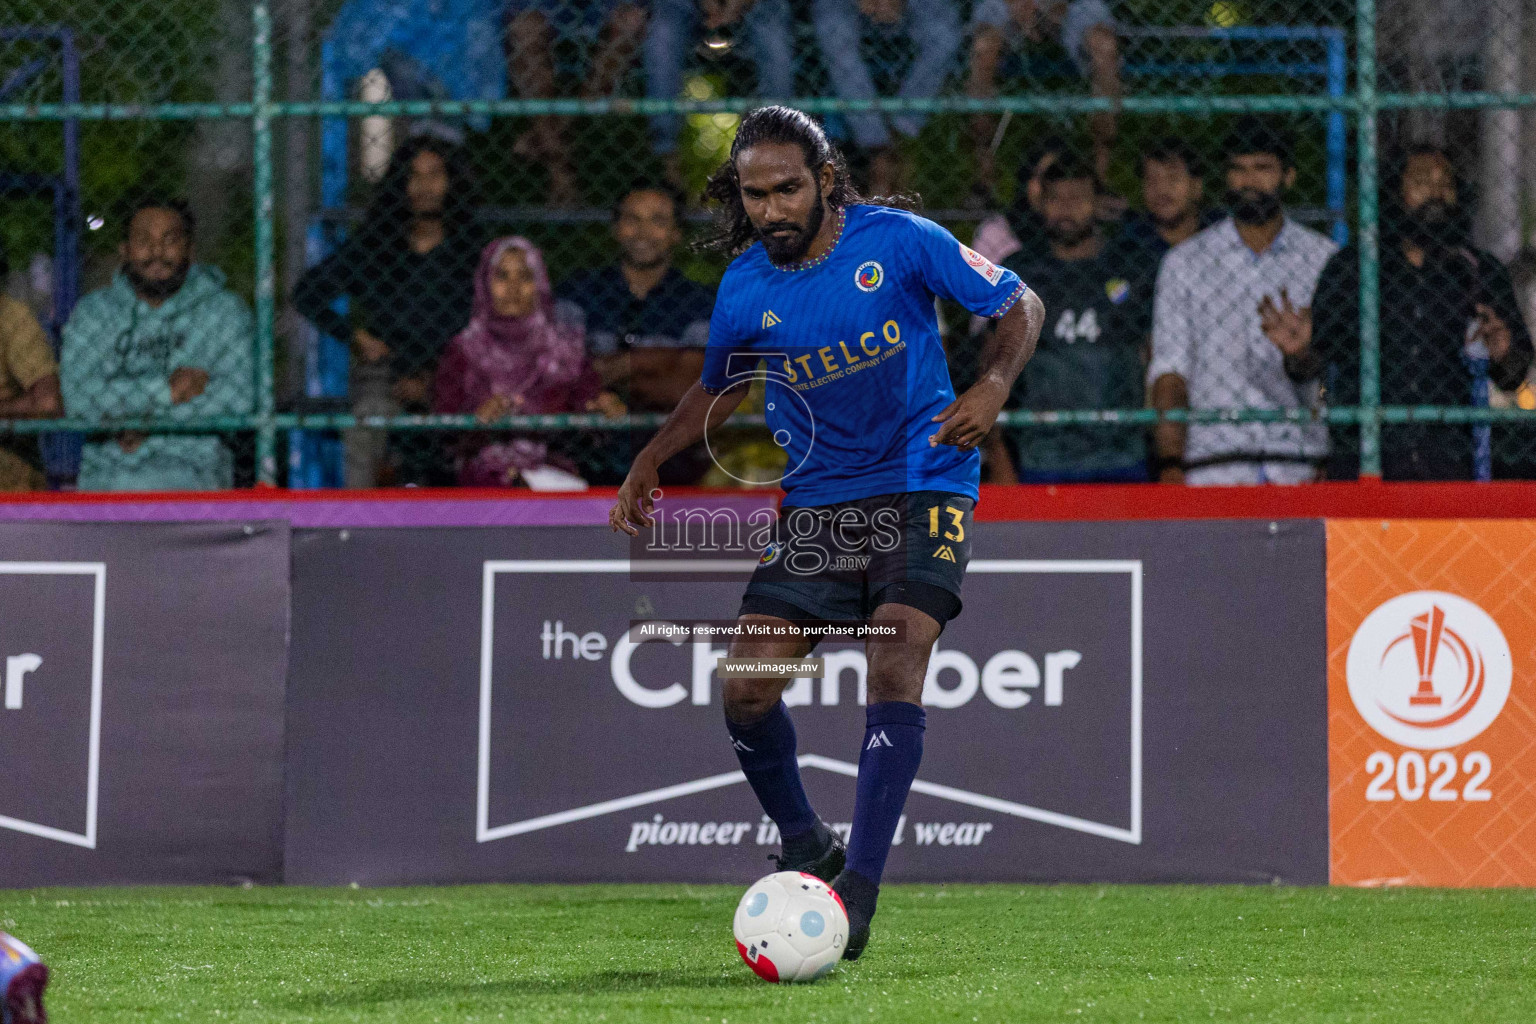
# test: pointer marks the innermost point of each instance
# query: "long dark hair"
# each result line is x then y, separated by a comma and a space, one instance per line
389, 213
733, 229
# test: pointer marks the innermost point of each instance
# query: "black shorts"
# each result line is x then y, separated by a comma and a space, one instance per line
839, 562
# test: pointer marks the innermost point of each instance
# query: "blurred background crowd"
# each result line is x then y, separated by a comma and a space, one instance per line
442, 261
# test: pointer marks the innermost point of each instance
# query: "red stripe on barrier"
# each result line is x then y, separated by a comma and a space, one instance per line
1044, 502
1364, 500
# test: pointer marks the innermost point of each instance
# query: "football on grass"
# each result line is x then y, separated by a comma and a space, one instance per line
791, 926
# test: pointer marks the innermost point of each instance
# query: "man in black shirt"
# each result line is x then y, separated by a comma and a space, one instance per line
409, 272
1090, 355
1173, 191
1450, 323
646, 324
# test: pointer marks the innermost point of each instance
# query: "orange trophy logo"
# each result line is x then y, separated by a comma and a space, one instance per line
1429, 670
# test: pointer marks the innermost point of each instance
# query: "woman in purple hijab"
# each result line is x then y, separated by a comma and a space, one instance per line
514, 357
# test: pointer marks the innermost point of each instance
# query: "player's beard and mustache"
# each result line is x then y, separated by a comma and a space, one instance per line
1432, 225
1069, 233
792, 246
157, 288
1253, 206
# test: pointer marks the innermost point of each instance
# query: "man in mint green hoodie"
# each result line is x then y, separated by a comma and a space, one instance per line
164, 339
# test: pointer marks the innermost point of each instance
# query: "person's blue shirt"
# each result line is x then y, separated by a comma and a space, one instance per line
855, 362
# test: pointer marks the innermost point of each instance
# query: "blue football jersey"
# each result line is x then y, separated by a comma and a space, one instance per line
856, 368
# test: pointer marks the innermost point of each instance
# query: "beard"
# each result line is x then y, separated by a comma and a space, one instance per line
156, 289
1067, 233
1171, 221
646, 260
1250, 206
792, 247
1431, 225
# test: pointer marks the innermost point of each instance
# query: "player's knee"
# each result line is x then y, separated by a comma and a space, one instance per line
747, 700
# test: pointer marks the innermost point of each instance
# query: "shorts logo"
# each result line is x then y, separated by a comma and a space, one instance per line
770, 553
945, 552
1429, 670
1118, 289
869, 276
979, 263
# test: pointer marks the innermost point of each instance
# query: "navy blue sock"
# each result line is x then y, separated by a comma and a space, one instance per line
893, 748
766, 750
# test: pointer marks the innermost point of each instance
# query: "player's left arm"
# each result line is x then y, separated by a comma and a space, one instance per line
967, 420
956, 272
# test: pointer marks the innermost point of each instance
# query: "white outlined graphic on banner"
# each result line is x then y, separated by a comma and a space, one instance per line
16, 696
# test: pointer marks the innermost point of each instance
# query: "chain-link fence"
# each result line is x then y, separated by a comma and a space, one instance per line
434, 242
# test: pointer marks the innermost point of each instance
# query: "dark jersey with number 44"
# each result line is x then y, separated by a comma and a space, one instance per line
1098, 316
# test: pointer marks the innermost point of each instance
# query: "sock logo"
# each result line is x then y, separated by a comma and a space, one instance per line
879, 739
740, 745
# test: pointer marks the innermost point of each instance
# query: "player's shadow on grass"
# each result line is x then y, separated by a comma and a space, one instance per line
402, 990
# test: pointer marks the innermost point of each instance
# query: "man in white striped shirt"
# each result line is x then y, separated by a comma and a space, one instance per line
1219, 297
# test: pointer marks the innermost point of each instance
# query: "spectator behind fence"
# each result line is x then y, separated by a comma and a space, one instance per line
932, 26
1090, 354
677, 25
1003, 29
29, 389
1020, 228
165, 339
1209, 348
408, 271
613, 28
646, 324
517, 356
1450, 324
1514, 445
1172, 191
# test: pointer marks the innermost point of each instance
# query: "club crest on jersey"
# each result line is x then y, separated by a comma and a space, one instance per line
979, 263
770, 553
1117, 289
869, 276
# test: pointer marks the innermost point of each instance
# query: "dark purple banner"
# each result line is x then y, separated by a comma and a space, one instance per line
1117, 702
141, 727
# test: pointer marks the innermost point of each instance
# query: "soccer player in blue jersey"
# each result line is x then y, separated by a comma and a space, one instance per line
837, 296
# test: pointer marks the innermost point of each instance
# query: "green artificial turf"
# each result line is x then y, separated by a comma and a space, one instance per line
664, 953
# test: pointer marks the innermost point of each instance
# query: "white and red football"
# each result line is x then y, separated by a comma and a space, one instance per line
791, 926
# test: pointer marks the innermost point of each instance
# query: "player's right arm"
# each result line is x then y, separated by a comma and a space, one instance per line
698, 412
707, 404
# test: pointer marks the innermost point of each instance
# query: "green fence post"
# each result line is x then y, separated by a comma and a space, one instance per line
1370, 255
261, 127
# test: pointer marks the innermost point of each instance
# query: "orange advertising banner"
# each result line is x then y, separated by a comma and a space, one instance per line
1432, 702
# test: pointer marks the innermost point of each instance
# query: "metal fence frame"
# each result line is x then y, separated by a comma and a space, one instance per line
1363, 101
